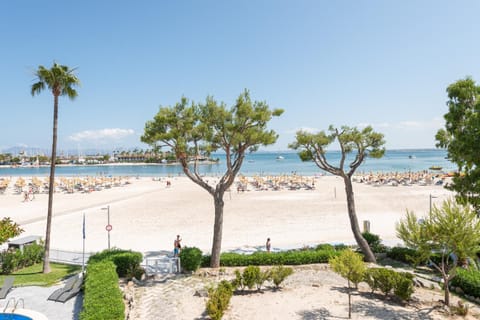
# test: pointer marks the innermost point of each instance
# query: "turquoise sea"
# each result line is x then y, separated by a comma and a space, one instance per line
259, 163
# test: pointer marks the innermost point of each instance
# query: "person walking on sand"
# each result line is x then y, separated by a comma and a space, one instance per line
268, 245
177, 246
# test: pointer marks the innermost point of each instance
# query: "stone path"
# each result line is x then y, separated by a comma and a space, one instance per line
159, 298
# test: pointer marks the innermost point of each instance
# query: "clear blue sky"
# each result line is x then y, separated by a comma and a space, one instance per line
384, 63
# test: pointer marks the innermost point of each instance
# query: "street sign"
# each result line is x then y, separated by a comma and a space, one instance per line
108, 227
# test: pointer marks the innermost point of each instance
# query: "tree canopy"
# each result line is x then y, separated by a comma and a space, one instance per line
195, 130
8, 229
461, 138
361, 143
364, 143
451, 230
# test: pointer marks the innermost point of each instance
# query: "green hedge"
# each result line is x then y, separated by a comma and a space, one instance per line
103, 298
11, 261
293, 257
126, 261
402, 254
468, 281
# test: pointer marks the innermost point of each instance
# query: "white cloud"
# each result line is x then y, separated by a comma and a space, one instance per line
434, 123
103, 134
310, 130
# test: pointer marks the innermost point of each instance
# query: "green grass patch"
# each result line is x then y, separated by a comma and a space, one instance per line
33, 276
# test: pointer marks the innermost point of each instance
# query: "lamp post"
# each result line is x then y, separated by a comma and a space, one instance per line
431, 197
109, 226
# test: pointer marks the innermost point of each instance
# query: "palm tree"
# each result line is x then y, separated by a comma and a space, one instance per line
60, 80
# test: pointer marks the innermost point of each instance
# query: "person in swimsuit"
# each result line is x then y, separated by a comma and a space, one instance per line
268, 245
177, 246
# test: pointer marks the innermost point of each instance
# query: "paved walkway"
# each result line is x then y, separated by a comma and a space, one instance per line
157, 298
35, 298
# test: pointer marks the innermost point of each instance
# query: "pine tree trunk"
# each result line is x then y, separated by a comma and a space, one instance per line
349, 301
217, 230
447, 291
51, 187
362, 243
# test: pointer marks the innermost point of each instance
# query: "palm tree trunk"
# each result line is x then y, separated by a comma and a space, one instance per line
51, 187
362, 243
217, 229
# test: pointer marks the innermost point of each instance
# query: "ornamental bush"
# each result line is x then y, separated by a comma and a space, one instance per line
251, 276
403, 287
280, 273
127, 262
402, 254
388, 281
385, 280
102, 298
218, 300
468, 280
190, 258
374, 242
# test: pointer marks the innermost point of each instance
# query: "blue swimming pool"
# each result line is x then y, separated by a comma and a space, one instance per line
13, 316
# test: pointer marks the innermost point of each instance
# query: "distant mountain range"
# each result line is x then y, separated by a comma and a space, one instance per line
32, 151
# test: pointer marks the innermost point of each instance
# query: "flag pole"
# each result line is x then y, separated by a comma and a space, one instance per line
83, 251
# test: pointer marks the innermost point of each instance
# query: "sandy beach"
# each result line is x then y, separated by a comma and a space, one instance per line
146, 215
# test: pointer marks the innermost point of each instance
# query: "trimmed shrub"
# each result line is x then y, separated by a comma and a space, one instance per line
403, 287
218, 300
190, 258
468, 280
349, 265
385, 280
292, 257
103, 298
370, 277
402, 254
374, 242
324, 246
340, 247
238, 281
251, 276
388, 281
127, 262
280, 273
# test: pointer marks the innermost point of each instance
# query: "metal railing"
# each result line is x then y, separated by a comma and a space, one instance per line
161, 265
68, 257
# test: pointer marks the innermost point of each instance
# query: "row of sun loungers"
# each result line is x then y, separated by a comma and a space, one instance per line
7, 285
404, 179
65, 185
71, 288
275, 183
